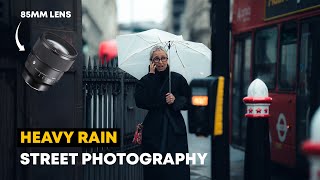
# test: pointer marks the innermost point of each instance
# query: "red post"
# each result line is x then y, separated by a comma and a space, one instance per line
257, 154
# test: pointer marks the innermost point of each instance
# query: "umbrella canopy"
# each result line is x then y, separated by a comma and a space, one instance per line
190, 59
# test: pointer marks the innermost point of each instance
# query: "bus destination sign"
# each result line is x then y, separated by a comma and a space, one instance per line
279, 8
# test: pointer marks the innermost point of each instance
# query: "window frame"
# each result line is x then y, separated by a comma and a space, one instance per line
297, 59
242, 38
254, 53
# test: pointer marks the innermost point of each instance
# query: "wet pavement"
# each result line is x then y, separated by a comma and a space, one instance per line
237, 169
277, 172
236, 164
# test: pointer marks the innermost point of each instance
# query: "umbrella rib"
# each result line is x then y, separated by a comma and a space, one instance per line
144, 39
159, 38
165, 43
139, 52
179, 57
190, 48
151, 42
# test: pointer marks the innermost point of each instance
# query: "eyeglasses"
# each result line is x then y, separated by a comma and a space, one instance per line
157, 59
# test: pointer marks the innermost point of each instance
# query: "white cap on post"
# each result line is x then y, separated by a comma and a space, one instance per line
311, 147
258, 100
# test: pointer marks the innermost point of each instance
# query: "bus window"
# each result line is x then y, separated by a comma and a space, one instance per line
288, 61
305, 60
246, 66
241, 81
265, 56
308, 99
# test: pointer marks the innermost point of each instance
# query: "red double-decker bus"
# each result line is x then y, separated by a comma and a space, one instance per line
277, 41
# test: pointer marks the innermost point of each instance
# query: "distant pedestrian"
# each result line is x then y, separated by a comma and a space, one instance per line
164, 130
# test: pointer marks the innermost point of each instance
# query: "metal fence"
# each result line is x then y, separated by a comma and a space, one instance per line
108, 98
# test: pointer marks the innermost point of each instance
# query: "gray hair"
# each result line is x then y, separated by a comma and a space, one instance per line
157, 48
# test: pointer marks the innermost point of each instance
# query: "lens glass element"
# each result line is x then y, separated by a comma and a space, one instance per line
58, 46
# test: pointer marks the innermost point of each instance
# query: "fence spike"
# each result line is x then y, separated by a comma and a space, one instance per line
104, 61
89, 63
109, 63
114, 63
99, 62
94, 63
101, 67
95, 68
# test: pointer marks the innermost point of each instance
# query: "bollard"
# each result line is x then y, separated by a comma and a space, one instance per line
312, 147
257, 153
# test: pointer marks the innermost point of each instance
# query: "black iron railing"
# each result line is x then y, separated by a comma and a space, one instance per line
108, 98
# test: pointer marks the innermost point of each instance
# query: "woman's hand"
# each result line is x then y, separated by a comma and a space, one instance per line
152, 68
170, 98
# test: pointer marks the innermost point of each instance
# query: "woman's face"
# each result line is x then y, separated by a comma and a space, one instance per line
160, 59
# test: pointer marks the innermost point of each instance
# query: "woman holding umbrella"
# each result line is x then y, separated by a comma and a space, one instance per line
164, 130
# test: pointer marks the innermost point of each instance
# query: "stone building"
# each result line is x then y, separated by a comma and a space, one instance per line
191, 19
173, 19
195, 21
99, 23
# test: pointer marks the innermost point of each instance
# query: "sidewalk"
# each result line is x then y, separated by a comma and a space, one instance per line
203, 172
236, 164
203, 145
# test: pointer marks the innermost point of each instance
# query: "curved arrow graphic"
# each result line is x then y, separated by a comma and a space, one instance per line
21, 47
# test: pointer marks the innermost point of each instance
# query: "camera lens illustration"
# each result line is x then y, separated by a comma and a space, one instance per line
49, 58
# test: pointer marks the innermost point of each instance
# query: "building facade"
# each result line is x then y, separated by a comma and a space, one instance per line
99, 23
191, 19
195, 21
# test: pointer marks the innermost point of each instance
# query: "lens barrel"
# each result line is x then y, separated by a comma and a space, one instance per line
49, 58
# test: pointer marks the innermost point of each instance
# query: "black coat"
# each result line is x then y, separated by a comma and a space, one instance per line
164, 130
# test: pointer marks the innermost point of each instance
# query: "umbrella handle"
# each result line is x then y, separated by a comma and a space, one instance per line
169, 68
169, 81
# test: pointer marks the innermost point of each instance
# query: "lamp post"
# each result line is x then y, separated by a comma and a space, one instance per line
220, 12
